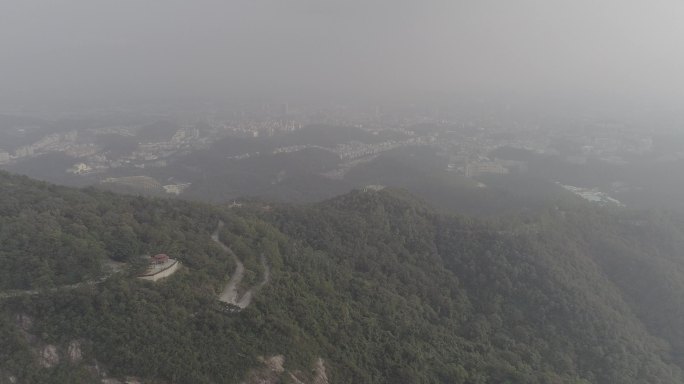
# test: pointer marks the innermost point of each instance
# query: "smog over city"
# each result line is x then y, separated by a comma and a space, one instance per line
125, 51
341, 191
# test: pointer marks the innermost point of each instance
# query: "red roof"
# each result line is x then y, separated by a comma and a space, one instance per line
160, 257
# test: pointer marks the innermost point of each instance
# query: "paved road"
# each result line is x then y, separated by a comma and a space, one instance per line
230, 293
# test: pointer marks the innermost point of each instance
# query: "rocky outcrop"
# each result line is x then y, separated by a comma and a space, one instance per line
24, 321
270, 373
48, 356
275, 363
320, 377
295, 379
273, 371
6, 378
127, 380
74, 353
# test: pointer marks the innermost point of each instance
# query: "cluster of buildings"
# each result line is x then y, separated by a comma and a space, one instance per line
490, 167
66, 143
92, 158
593, 195
355, 150
259, 127
466, 139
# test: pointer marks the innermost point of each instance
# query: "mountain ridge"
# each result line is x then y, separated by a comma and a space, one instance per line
376, 284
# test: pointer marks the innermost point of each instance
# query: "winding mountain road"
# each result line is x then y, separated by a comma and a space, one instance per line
230, 294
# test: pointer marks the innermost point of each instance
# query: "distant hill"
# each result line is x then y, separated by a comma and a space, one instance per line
315, 174
367, 287
647, 182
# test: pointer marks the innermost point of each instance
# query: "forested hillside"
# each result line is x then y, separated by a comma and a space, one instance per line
54, 236
376, 286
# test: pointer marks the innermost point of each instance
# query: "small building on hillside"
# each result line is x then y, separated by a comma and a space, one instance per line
161, 266
160, 259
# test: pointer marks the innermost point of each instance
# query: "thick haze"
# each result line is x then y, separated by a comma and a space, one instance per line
130, 50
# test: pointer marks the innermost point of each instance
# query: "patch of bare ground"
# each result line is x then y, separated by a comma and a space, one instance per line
273, 371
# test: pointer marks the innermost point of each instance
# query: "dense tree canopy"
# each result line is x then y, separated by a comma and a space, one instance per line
377, 284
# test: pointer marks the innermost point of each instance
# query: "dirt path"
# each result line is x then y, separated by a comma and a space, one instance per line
230, 292
31, 292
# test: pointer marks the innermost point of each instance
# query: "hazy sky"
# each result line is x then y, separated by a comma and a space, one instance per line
139, 49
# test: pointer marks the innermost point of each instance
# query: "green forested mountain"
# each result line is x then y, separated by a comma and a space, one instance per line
376, 285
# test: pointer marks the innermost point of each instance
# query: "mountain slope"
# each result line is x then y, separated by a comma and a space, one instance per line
369, 287
534, 303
